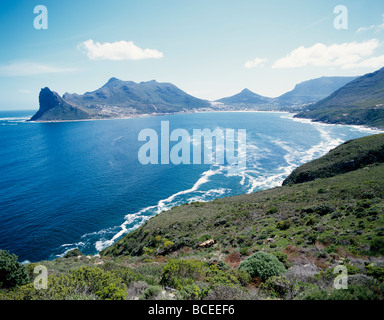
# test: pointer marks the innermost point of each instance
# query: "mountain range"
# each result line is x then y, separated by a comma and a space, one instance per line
306, 92
346, 100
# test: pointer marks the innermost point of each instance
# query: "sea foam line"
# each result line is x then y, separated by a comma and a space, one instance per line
136, 219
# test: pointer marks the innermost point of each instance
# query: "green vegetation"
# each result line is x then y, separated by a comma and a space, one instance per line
262, 265
349, 156
281, 243
12, 273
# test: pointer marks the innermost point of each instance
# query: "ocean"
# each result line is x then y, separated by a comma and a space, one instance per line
66, 185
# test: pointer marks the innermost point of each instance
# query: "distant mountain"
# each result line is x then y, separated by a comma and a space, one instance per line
313, 90
306, 92
360, 102
248, 99
52, 108
143, 97
116, 99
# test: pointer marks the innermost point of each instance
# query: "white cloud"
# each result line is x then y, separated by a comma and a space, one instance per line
363, 29
380, 26
120, 50
257, 62
345, 56
376, 29
29, 69
374, 62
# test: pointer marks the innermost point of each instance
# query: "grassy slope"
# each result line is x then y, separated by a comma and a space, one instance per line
349, 156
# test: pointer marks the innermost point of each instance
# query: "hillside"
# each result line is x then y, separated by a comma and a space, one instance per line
118, 99
360, 102
144, 97
349, 156
313, 90
281, 243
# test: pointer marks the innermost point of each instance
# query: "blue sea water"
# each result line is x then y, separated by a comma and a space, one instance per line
80, 184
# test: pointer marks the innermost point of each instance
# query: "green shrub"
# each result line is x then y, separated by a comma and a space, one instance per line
12, 273
73, 253
355, 292
150, 293
223, 266
283, 224
193, 292
377, 245
311, 221
351, 269
263, 265
82, 283
281, 256
272, 210
244, 251
216, 276
181, 272
283, 287
376, 272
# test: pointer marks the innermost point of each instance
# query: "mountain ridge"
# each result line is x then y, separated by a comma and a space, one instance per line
118, 98
359, 102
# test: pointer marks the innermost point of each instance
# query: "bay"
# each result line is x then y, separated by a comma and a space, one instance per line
80, 184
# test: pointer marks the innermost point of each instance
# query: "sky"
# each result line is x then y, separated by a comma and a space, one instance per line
209, 48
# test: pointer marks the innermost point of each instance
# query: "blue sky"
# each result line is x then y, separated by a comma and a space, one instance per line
208, 48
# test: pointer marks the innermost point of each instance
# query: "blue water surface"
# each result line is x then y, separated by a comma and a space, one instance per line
80, 184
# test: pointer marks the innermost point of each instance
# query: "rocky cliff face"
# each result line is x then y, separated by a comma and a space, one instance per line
47, 101
53, 107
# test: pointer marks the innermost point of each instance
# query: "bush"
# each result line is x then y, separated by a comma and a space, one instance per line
283, 224
223, 266
262, 265
272, 210
136, 289
377, 245
354, 292
193, 292
150, 293
73, 253
376, 272
281, 256
82, 283
12, 273
178, 273
222, 292
244, 251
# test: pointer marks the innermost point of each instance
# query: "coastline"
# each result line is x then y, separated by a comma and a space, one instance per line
150, 115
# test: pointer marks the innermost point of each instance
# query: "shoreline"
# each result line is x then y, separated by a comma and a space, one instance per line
150, 115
